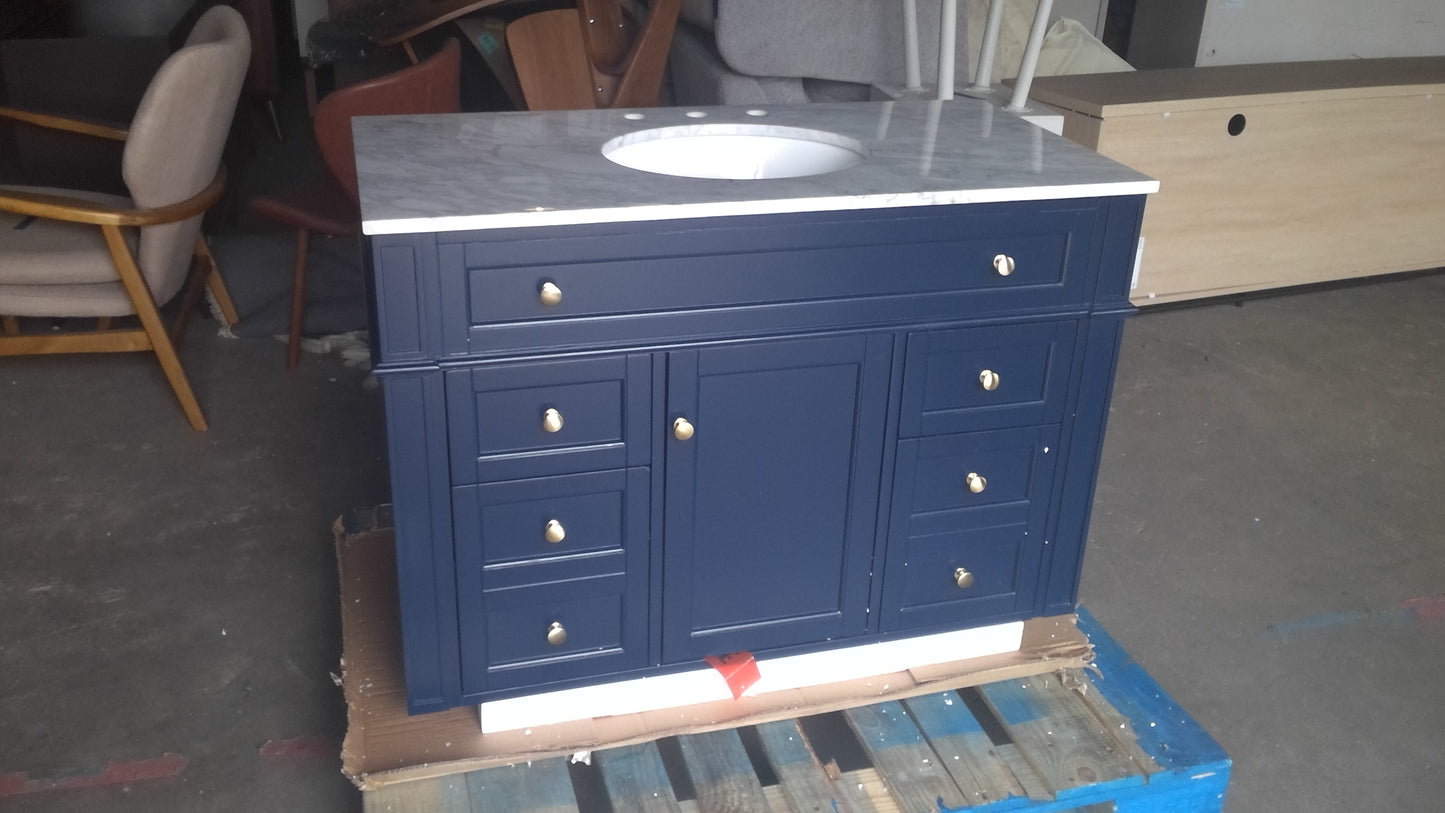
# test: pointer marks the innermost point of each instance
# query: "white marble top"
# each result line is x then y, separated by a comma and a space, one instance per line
504, 170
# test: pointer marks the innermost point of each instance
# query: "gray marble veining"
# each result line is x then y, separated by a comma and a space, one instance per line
504, 170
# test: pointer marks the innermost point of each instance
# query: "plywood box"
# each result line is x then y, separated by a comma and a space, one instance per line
1273, 175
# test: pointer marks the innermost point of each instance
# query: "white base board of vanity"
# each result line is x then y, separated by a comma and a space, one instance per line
775, 675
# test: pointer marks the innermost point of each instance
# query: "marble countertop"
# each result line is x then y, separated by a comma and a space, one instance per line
507, 170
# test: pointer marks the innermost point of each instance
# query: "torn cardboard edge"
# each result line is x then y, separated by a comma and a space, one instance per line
384, 745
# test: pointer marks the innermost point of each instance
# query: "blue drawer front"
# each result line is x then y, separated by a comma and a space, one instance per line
515, 517
944, 390
1008, 461
593, 614
688, 282
939, 525
497, 417
930, 591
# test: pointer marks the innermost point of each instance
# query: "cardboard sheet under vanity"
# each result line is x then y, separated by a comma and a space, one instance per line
385, 745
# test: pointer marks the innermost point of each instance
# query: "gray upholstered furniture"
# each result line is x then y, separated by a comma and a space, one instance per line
767, 52
73, 253
741, 52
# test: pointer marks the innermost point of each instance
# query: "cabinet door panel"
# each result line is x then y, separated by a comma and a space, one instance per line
771, 503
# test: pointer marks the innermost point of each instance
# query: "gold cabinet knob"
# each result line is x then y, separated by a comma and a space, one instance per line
554, 531
1003, 264
682, 429
962, 578
976, 482
556, 634
550, 294
989, 379
552, 420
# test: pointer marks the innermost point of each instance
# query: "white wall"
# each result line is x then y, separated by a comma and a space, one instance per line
1237, 32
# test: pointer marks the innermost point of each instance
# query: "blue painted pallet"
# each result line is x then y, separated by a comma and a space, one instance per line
1078, 740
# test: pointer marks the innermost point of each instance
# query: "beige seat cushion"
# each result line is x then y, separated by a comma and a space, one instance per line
50, 267
53, 252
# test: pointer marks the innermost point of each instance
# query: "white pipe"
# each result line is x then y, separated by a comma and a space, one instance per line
983, 77
1031, 58
947, 32
930, 137
910, 45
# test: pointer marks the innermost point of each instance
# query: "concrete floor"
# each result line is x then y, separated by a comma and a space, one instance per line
1268, 537
1267, 542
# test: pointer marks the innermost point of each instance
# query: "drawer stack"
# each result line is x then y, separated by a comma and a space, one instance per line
980, 433
550, 517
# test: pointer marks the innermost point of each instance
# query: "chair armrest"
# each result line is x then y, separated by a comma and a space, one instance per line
70, 125
79, 210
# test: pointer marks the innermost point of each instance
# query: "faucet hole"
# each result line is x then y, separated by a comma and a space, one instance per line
1236, 124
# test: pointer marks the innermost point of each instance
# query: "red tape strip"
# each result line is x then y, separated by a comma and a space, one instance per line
737, 668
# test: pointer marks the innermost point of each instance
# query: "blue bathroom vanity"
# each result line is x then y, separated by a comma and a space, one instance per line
637, 419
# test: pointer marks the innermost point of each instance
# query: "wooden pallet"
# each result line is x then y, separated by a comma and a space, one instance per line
1107, 739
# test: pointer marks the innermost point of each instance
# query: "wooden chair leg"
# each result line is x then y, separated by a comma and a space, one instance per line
151, 322
298, 299
10, 325
102, 323
214, 284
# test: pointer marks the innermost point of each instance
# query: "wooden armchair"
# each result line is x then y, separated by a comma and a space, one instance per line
69, 253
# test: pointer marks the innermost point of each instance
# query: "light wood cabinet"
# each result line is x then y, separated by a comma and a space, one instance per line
1272, 175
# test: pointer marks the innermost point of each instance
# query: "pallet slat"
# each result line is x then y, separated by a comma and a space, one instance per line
636, 779
966, 751
804, 781
446, 794
537, 787
1059, 735
916, 780
1033, 784
722, 775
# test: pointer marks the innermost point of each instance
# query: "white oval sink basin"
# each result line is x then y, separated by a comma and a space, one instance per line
734, 151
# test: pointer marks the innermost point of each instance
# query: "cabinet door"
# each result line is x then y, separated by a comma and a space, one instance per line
771, 501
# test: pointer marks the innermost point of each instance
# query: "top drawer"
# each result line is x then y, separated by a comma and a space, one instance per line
509, 421
987, 377
518, 290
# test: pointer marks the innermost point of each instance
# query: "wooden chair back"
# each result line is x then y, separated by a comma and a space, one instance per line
593, 56
430, 86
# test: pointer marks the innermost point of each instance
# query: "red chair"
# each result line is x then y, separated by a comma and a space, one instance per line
328, 205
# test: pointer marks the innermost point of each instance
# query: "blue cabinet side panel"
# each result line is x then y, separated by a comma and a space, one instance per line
1085, 444
1118, 248
405, 327
416, 438
1084, 441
